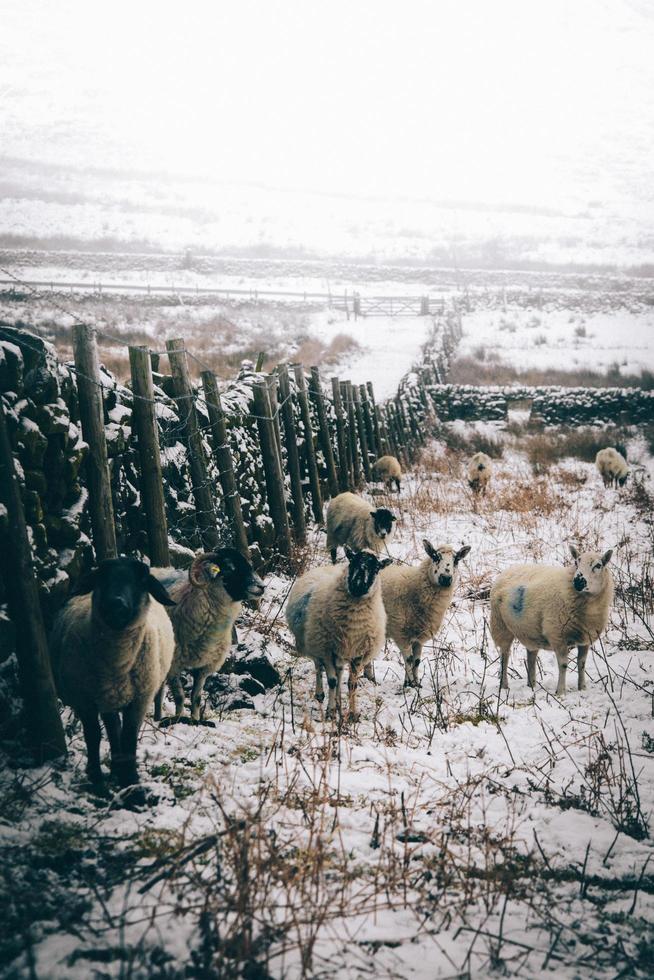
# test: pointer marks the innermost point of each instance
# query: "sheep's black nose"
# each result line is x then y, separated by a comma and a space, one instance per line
579, 583
445, 580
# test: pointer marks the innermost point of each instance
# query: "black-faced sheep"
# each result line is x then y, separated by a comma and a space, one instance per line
547, 607
388, 470
480, 470
612, 467
111, 651
337, 617
208, 601
416, 600
353, 523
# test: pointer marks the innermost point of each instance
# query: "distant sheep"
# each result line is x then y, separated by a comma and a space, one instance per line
111, 651
552, 608
208, 601
353, 523
416, 600
480, 470
336, 615
612, 467
388, 470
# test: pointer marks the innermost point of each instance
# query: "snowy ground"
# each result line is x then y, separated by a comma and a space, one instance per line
555, 338
454, 831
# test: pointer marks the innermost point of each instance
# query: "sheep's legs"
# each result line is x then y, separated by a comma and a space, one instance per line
562, 658
409, 677
416, 653
92, 736
531, 667
111, 720
199, 677
124, 765
352, 684
582, 653
334, 674
369, 672
158, 702
177, 691
504, 676
333, 552
320, 691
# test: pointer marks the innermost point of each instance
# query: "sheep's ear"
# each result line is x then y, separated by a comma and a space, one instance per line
574, 552
212, 570
606, 557
462, 553
431, 551
158, 592
393, 517
349, 554
86, 583
385, 562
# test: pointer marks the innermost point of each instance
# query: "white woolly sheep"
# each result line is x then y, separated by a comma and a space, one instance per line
416, 600
352, 522
552, 608
208, 601
480, 470
337, 616
388, 470
612, 467
110, 652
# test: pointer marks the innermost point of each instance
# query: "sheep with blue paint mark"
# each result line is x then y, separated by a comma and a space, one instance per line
548, 607
337, 617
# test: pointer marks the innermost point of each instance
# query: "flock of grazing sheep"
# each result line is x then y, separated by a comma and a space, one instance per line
113, 648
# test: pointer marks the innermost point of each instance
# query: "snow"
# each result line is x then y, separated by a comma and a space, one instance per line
467, 787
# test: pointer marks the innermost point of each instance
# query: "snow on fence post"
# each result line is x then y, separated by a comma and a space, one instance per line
312, 466
91, 410
204, 510
145, 426
220, 444
44, 728
341, 440
367, 419
363, 439
352, 435
272, 466
272, 381
315, 390
292, 456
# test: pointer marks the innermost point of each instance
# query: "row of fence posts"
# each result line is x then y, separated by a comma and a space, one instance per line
364, 431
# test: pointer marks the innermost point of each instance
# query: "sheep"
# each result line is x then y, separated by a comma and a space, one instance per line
352, 522
612, 467
208, 602
552, 608
480, 470
337, 616
416, 599
388, 470
110, 651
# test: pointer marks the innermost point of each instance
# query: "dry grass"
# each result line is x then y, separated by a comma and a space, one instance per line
584, 442
490, 370
532, 497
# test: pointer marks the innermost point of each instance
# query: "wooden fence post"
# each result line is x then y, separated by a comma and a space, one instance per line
205, 514
343, 469
292, 455
91, 410
224, 462
145, 425
315, 389
352, 436
44, 729
374, 411
367, 420
363, 439
272, 381
312, 466
272, 466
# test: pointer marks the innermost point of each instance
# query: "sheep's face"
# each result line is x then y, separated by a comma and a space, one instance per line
444, 563
384, 521
227, 569
121, 589
363, 571
590, 570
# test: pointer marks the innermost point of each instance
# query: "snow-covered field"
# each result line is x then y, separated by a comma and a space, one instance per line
559, 339
453, 831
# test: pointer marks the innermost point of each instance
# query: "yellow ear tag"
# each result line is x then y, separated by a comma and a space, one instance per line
214, 570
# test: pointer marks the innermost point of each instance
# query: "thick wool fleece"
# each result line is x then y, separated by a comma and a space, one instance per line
480, 469
612, 465
96, 667
349, 522
387, 468
415, 607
